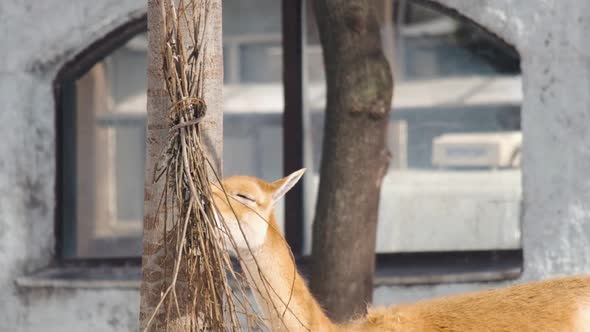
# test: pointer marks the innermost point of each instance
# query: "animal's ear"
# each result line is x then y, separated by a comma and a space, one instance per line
282, 186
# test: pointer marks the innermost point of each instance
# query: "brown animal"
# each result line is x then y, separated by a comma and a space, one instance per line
555, 305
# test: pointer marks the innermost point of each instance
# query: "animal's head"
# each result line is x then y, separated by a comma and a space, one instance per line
246, 205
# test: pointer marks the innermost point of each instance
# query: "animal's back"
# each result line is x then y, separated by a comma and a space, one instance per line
561, 304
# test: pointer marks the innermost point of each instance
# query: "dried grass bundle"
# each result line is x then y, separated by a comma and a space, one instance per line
198, 296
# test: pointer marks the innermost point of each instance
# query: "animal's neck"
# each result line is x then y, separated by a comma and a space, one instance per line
279, 289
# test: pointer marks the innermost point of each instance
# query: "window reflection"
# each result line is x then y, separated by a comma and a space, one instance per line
110, 127
454, 182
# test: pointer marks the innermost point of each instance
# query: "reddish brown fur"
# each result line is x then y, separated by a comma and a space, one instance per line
555, 305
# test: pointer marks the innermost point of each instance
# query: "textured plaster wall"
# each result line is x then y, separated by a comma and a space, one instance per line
38, 37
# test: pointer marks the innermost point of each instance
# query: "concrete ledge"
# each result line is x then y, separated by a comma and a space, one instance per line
83, 278
448, 278
105, 277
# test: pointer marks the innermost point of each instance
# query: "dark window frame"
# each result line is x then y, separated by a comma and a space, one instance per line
292, 25
388, 265
65, 119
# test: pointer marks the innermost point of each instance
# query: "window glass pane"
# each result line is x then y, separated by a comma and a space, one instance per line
454, 182
110, 101
253, 93
110, 153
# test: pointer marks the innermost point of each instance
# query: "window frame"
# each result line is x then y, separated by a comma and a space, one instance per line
65, 119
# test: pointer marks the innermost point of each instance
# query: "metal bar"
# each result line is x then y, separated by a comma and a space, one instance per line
293, 117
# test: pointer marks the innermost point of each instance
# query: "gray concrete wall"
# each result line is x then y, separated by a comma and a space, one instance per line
38, 37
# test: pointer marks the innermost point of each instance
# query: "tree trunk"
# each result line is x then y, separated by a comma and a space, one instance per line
354, 158
154, 268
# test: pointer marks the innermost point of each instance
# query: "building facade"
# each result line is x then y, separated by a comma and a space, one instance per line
50, 280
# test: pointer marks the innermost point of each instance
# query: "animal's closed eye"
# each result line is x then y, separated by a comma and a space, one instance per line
245, 198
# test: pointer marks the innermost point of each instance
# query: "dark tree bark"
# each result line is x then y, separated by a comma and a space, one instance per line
354, 157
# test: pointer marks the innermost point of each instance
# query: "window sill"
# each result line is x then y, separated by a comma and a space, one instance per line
102, 277
448, 278
447, 267
392, 270
424, 268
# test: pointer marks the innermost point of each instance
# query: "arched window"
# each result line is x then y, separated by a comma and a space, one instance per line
451, 198
101, 148
102, 119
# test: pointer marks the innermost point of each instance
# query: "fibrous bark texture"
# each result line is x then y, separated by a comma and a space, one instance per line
354, 156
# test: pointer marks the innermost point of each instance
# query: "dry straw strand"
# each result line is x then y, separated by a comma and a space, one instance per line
198, 294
